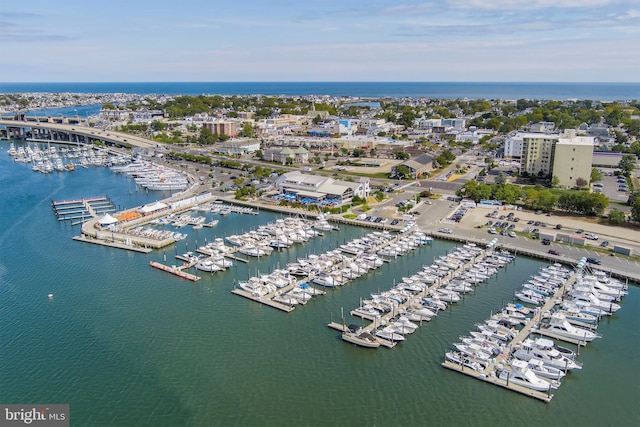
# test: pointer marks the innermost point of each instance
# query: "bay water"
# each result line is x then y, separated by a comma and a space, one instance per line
124, 344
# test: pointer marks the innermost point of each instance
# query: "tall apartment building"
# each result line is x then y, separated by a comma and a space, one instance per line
537, 153
566, 156
573, 160
222, 127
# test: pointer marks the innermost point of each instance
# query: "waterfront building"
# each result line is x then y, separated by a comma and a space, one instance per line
296, 186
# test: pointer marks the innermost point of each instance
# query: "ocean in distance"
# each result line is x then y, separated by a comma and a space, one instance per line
447, 90
128, 345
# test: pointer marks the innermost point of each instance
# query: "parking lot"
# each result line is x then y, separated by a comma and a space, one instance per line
610, 188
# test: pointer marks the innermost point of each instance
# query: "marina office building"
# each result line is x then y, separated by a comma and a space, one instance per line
565, 156
296, 186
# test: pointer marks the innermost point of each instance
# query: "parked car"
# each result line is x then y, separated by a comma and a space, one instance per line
492, 231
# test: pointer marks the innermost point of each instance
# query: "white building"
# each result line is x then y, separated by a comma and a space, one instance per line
513, 146
320, 190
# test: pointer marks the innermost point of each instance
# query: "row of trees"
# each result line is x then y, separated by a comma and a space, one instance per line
538, 197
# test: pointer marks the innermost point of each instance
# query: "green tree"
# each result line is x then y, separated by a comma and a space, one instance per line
616, 217
635, 210
402, 172
596, 175
627, 164
554, 181
508, 193
401, 155
206, 136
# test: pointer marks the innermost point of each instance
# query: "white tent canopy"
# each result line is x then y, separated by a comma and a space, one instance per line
152, 207
107, 220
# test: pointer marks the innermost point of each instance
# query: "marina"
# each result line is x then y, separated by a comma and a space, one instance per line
419, 298
499, 353
129, 321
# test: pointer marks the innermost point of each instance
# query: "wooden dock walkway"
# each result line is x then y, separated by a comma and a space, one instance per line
178, 271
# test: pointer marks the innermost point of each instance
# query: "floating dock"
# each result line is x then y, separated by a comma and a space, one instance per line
174, 270
85, 208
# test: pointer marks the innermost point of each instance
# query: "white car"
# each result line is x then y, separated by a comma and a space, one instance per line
591, 236
446, 230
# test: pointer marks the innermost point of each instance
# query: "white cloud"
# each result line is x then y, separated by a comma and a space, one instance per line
526, 4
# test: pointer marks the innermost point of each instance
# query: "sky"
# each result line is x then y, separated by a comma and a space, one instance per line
320, 40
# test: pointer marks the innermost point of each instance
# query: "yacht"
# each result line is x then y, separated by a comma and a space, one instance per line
522, 375
460, 359
558, 325
545, 371
207, 265
530, 349
389, 334
363, 339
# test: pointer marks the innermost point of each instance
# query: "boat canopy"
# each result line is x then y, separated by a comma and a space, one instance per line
152, 207
107, 220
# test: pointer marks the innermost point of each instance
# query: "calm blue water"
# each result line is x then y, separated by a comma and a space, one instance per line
125, 344
449, 90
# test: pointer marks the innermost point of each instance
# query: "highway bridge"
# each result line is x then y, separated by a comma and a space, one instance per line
33, 129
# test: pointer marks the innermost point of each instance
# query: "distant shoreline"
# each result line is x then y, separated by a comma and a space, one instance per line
596, 91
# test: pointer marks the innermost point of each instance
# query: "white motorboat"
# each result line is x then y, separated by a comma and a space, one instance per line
530, 297
389, 334
286, 299
363, 339
530, 349
545, 371
460, 359
207, 265
521, 375
610, 307
475, 352
366, 311
573, 314
447, 295
327, 280
487, 346
559, 326
404, 323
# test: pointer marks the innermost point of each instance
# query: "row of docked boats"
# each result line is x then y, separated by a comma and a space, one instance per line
280, 234
209, 263
147, 232
50, 158
153, 176
418, 298
539, 364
